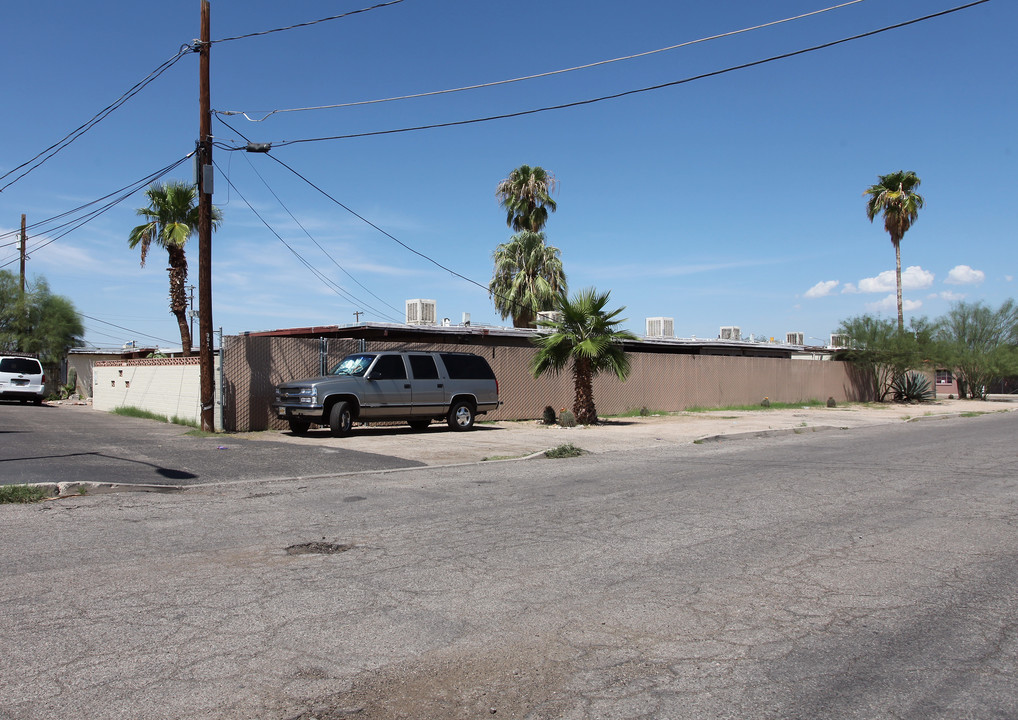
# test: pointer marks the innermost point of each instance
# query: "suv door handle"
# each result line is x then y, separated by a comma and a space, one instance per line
407, 386
441, 385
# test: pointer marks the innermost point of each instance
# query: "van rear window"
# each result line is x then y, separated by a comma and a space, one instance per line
467, 367
25, 366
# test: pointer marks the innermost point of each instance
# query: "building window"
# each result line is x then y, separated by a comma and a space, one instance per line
944, 377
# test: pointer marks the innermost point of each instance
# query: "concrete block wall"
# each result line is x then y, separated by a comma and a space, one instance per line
167, 386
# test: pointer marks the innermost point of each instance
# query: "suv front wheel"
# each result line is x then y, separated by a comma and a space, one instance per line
461, 415
340, 419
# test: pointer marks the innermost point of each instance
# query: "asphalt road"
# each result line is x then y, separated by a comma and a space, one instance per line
865, 574
69, 444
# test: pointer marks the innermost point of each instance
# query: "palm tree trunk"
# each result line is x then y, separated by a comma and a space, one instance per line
897, 276
583, 400
178, 294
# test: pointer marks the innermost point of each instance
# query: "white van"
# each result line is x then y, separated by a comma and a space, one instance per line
21, 378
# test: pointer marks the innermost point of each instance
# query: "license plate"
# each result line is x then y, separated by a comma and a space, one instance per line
19, 381
282, 412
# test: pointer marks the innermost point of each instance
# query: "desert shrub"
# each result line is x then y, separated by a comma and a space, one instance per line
549, 415
912, 387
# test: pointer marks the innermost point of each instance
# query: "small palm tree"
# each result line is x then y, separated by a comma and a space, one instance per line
894, 195
588, 337
526, 197
171, 218
528, 278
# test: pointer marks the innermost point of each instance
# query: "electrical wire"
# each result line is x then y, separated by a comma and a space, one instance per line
133, 332
387, 234
550, 73
309, 23
148, 178
315, 271
615, 96
95, 120
74, 224
317, 244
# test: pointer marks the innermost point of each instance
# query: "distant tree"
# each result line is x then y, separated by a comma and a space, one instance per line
882, 354
526, 197
589, 339
894, 195
171, 218
39, 322
981, 344
528, 278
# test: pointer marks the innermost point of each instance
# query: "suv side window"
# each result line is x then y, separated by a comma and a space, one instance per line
389, 367
467, 367
423, 367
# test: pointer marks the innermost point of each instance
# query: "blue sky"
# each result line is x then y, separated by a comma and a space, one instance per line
731, 200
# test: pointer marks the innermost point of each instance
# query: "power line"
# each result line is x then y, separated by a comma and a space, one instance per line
626, 93
95, 120
309, 23
317, 244
388, 235
120, 327
315, 271
132, 186
72, 225
543, 74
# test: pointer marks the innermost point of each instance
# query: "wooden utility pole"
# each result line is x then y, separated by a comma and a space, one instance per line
23, 240
206, 362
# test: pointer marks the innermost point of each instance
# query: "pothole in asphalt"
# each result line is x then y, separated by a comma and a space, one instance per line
317, 548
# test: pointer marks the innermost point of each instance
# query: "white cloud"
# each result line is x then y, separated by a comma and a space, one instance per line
849, 288
890, 304
949, 296
1009, 278
822, 289
964, 275
912, 278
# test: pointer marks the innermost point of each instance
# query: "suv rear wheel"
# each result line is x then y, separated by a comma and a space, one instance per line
461, 415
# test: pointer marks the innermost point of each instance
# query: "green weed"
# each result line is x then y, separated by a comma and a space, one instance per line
564, 451
757, 406
21, 494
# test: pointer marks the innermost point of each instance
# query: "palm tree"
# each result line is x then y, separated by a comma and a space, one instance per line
588, 337
528, 278
526, 197
894, 195
171, 218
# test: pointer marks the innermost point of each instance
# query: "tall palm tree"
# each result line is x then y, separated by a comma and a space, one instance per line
895, 196
526, 197
588, 337
528, 278
171, 218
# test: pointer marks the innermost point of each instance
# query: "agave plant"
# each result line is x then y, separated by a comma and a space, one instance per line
912, 387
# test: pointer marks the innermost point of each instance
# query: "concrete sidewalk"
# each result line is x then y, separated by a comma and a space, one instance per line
504, 440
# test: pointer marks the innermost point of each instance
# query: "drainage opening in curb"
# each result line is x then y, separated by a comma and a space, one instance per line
317, 548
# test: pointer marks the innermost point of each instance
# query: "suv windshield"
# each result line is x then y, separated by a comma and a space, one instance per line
354, 365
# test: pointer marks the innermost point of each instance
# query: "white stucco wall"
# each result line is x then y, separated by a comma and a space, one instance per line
167, 386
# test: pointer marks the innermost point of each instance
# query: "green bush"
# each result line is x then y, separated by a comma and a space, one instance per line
563, 451
549, 415
831, 402
912, 387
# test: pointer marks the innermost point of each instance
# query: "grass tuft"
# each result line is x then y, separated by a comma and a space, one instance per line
564, 451
136, 412
757, 406
21, 494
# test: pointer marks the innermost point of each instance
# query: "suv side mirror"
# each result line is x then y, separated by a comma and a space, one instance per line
373, 375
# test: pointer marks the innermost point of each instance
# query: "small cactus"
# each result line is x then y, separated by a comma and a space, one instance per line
549, 415
831, 402
766, 402
566, 419
644, 412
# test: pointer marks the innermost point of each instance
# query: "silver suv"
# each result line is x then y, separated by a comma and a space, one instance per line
21, 378
417, 387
